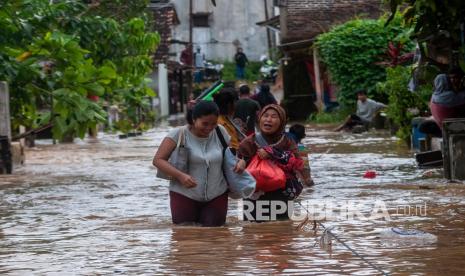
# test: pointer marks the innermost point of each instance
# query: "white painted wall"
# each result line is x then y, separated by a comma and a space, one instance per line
163, 93
232, 21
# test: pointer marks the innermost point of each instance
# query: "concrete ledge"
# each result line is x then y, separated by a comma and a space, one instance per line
17, 154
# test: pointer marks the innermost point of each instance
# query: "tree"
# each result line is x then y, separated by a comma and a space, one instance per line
55, 56
439, 23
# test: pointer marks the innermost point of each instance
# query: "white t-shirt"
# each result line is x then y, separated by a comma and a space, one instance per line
198, 60
366, 110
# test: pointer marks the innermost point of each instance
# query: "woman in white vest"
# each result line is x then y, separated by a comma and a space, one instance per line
199, 195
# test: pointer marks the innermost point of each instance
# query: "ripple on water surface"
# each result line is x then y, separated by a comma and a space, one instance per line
95, 207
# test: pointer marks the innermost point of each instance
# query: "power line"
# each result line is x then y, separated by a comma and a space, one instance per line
363, 258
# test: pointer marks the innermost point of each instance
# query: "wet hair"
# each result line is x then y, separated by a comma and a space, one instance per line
225, 99
361, 92
455, 70
244, 89
200, 109
298, 130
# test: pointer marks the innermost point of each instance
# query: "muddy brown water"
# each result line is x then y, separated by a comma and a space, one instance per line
96, 208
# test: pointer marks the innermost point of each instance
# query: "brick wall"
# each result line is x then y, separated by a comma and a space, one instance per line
308, 18
164, 20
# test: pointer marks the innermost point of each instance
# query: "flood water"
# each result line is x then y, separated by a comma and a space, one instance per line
96, 208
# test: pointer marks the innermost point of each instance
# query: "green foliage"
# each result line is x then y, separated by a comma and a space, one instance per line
429, 17
252, 71
402, 102
434, 20
350, 52
55, 56
124, 126
68, 83
337, 116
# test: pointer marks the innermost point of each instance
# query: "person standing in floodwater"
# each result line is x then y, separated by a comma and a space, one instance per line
226, 100
271, 143
246, 109
200, 195
297, 133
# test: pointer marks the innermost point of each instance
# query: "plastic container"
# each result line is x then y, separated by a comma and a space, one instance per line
409, 237
417, 135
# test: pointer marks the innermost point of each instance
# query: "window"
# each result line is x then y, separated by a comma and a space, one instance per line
280, 3
201, 19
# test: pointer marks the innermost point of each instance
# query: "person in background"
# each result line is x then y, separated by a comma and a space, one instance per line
264, 96
199, 59
247, 109
200, 195
329, 94
366, 111
279, 148
297, 133
226, 100
241, 61
448, 99
186, 55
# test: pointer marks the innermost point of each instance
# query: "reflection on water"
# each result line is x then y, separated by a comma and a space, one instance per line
95, 207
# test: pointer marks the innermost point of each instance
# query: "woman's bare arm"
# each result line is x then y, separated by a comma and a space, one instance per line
160, 160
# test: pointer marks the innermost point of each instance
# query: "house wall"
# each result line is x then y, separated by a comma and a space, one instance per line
164, 20
308, 18
232, 24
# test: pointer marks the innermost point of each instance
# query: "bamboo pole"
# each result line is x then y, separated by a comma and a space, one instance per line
318, 83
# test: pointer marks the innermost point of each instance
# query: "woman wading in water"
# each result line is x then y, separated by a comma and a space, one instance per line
199, 195
271, 143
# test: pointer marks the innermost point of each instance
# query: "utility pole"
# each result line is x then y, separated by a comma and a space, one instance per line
5, 119
191, 52
5, 130
268, 33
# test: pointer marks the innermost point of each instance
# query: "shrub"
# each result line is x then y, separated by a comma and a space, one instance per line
252, 71
350, 52
403, 104
330, 117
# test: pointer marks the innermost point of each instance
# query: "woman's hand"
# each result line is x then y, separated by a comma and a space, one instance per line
263, 154
187, 181
309, 182
240, 166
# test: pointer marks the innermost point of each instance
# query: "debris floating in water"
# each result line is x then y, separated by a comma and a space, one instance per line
326, 240
369, 174
408, 237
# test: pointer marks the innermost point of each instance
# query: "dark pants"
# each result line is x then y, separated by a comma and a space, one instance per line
186, 210
355, 121
240, 72
430, 127
198, 76
268, 200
